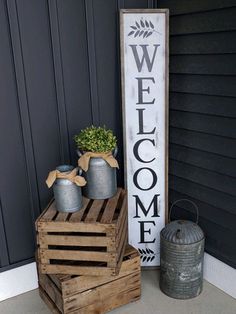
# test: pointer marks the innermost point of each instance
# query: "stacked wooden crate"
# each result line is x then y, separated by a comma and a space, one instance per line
84, 262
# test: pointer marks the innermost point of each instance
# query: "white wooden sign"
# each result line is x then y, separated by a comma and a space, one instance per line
144, 62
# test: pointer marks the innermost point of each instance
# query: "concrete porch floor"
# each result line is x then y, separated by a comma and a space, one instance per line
153, 301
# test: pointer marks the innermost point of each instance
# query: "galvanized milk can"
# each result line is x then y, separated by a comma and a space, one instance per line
100, 177
182, 249
68, 195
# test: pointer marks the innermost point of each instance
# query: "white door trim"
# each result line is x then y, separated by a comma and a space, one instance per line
18, 280
220, 275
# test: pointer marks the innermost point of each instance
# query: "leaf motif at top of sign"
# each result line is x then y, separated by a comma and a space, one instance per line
152, 26
131, 33
142, 29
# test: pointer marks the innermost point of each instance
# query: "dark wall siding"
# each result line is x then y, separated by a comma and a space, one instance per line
202, 118
60, 72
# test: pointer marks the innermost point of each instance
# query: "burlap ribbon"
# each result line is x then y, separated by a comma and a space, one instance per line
83, 162
69, 175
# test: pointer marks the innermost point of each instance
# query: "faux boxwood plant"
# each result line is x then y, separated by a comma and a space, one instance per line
96, 139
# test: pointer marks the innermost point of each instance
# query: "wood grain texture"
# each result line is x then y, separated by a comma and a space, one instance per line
93, 294
84, 242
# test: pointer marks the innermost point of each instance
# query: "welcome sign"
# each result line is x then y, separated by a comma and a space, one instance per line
144, 61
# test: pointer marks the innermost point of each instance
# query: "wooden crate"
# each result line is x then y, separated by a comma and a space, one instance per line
93, 294
90, 241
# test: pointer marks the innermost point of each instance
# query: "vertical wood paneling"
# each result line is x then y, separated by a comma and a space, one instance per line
95, 101
74, 65
40, 89
59, 72
59, 80
4, 260
16, 180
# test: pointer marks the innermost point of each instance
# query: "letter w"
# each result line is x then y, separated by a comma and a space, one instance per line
146, 57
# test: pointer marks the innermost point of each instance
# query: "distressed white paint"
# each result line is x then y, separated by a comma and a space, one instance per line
17, 281
154, 116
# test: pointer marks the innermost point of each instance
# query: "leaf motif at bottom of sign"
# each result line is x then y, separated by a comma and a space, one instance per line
145, 34
136, 34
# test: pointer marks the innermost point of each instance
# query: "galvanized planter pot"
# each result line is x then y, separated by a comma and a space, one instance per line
182, 251
100, 177
68, 196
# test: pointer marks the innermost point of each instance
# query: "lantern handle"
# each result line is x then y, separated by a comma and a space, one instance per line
187, 200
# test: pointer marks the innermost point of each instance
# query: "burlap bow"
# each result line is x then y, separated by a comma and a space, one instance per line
69, 175
83, 162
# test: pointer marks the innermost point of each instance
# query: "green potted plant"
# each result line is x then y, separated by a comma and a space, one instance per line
97, 149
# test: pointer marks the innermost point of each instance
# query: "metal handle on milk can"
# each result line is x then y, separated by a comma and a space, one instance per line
185, 199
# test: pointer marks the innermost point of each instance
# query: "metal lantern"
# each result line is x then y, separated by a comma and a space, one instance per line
68, 195
182, 250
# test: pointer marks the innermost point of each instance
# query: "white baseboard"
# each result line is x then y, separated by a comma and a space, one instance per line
18, 280
220, 275
22, 279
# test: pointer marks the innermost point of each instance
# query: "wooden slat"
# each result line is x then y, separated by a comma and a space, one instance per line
50, 213
56, 280
43, 212
52, 290
44, 296
94, 211
123, 212
46, 239
61, 216
103, 292
204, 177
122, 230
203, 84
77, 270
204, 142
205, 22
75, 255
204, 104
213, 162
75, 227
76, 217
110, 208
222, 64
193, 6
113, 302
79, 284
212, 197
122, 245
205, 43
206, 210
222, 126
